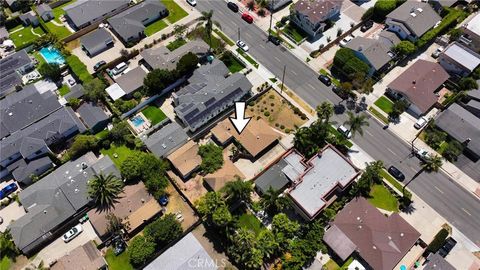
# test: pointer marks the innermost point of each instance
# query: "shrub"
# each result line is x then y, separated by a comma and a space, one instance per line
82, 144
267, 114
453, 150
382, 8
434, 137
140, 250
282, 127
163, 230
438, 241
447, 22
368, 14
50, 71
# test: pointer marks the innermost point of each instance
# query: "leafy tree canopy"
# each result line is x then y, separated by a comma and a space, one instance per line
212, 157
51, 71
140, 250
94, 89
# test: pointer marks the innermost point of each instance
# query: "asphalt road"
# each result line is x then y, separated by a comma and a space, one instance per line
449, 199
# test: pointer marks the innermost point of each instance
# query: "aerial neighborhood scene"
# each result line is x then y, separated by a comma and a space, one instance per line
240, 134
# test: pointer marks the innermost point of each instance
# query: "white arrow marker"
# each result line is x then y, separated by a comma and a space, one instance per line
240, 122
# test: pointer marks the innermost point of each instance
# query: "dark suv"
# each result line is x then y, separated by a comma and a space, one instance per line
325, 80
447, 247
396, 173
367, 25
232, 6
275, 40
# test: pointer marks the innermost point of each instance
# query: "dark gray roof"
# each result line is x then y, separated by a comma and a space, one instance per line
132, 80
389, 38
273, 177
419, 23
278, 4
208, 91
95, 38
54, 199
474, 94
437, 262
28, 16
163, 58
43, 8
376, 52
461, 125
35, 167
21, 109
91, 114
8, 69
76, 91
130, 22
3, 33
84, 11
166, 140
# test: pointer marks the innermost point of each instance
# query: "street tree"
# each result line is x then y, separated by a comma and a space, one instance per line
429, 165
356, 123
206, 17
325, 111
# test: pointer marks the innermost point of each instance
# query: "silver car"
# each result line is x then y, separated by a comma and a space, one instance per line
72, 233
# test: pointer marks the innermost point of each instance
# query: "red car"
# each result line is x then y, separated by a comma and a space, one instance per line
246, 17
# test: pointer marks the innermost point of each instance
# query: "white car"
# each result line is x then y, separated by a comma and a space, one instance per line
437, 52
345, 132
421, 122
242, 45
72, 233
192, 2
422, 154
344, 41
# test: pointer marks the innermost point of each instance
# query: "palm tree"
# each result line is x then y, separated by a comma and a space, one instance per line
325, 111
430, 164
356, 123
238, 190
105, 190
207, 18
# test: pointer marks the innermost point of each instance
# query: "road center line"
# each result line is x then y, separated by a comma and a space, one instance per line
391, 151
294, 73
439, 190
369, 133
465, 210
311, 86
276, 58
263, 47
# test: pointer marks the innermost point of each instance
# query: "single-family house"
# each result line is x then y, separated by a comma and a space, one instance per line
361, 230
166, 140
210, 92
311, 16
93, 116
45, 12
437, 262
187, 253
163, 58
463, 126
273, 177
14, 5
86, 256
317, 182
12, 68
471, 33
458, 59
76, 91
56, 202
4, 35
418, 85
127, 83
186, 159
412, 19
29, 18
375, 53
130, 24
96, 42
83, 13
25, 173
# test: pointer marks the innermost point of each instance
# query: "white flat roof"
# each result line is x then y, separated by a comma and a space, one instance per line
463, 57
115, 91
474, 24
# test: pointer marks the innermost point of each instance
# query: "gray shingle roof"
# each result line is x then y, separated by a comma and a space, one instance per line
166, 140
273, 177
130, 22
54, 199
208, 92
84, 11
474, 94
132, 80
22, 174
95, 38
461, 125
376, 52
8, 69
389, 38
91, 114
42, 8
4, 33
76, 91
421, 22
163, 58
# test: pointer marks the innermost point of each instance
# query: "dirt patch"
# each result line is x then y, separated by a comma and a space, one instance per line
277, 111
193, 189
73, 44
177, 205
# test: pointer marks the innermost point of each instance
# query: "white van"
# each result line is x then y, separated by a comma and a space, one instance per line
119, 68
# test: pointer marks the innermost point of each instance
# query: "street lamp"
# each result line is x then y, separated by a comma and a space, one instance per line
271, 16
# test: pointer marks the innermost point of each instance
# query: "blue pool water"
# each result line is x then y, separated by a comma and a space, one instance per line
137, 120
52, 55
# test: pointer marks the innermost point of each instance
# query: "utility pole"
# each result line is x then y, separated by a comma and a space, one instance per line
271, 17
238, 33
283, 78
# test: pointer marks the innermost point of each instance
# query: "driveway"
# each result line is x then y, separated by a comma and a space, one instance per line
10, 213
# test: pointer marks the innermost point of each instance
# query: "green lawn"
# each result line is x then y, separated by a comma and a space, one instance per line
379, 115
63, 90
122, 151
120, 262
25, 36
384, 104
381, 197
224, 37
177, 43
175, 12
442, 147
334, 80
232, 63
332, 265
39, 58
295, 33
5, 263
155, 27
60, 31
250, 222
102, 134
79, 68
247, 57
154, 114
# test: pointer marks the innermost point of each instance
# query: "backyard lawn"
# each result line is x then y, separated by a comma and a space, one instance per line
177, 43
79, 68
381, 197
58, 11
63, 90
154, 114
175, 12
295, 33
332, 265
384, 104
60, 31
122, 153
155, 27
249, 221
25, 35
120, 262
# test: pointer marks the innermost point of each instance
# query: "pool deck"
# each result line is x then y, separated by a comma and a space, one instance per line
141, 128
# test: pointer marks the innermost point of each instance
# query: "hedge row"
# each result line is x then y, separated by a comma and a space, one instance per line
450, 20
438, 241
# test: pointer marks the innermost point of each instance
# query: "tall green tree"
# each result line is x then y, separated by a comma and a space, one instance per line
187, 63
325, 111
244, 249
267, 243
105, 190
238, 190
284, 229
429, 165
158, 79
94, 90
405, 47
206, 17
356, 123
272, 202
212, 157
7, 246
140, 250
213, 208
50, 71
164, 230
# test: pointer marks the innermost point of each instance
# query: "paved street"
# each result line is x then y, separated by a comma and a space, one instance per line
449, 199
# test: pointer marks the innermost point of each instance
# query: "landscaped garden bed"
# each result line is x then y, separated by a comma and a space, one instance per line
382, 198
294, 33
177, 43
248, 58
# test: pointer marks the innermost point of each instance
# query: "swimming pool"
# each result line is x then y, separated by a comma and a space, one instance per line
52, 55
137, 120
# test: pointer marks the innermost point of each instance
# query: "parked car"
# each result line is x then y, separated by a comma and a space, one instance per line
119, 68
119, 246
447, 247
192, 2
163, 200
325, 80
72, 233
242, 45
99, 65
437, 52
421, 122
344, 131
9, 189
275, 40
422, 154
71, 82
232, 6
247, 17
344, 41
396, 173
366, 26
